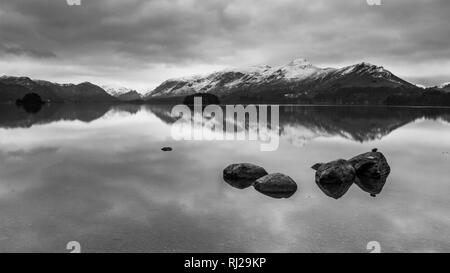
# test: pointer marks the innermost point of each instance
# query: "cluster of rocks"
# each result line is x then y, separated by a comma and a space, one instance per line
244, 175
369, 171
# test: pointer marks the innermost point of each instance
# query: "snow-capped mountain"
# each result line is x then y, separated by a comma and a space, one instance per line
115, 90
445, 86
297, 78
122, 93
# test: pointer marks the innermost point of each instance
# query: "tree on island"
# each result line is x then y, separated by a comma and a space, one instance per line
32, 103
207, 99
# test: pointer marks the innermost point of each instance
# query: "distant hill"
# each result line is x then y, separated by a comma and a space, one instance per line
13, 88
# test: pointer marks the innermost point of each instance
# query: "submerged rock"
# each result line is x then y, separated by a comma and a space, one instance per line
276, 185
243, 175
372, 171
166, 149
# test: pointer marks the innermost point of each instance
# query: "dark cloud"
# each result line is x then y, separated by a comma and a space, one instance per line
19, 51
407, 36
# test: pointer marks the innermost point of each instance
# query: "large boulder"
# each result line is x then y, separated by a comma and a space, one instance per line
334, 190
335, 178
371, 185
372, 164
369, 171
243, 175
338, 171
276, 185
372, 171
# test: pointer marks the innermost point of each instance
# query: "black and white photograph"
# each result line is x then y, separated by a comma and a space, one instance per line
251, 127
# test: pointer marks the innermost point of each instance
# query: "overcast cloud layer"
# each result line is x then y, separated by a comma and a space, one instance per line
140, 43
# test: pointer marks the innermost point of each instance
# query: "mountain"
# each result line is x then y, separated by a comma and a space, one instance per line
445, 86
122, 93
13, 88
296, 82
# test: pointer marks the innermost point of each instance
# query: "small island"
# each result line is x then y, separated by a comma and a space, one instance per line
31, 102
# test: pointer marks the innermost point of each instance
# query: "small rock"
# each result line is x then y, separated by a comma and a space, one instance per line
276, 185
166, 149
243, 175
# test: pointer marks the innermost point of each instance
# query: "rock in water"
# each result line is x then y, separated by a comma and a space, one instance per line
243, 175
334, 190
372, 171
339, 171
372, 164
335, 178
276, 185
371, 185
316, 166
166, 149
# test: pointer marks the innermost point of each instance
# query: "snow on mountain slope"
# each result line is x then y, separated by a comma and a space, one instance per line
116, 90
445, 86
122, 93
298, 75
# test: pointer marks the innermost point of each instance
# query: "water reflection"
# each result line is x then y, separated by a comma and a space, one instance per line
97, 175
14, 117
335, 190
32, 108
302, 124
371, 185
297, 124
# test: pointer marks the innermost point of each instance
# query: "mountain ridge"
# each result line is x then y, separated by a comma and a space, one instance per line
297, 82
298, 78
13, 88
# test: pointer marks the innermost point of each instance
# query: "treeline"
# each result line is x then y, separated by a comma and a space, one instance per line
429, 97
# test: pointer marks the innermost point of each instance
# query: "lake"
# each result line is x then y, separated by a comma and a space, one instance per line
96, 174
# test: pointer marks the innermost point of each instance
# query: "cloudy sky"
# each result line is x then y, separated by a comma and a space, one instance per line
140, 43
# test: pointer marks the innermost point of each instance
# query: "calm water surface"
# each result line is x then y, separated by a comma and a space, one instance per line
97, 175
